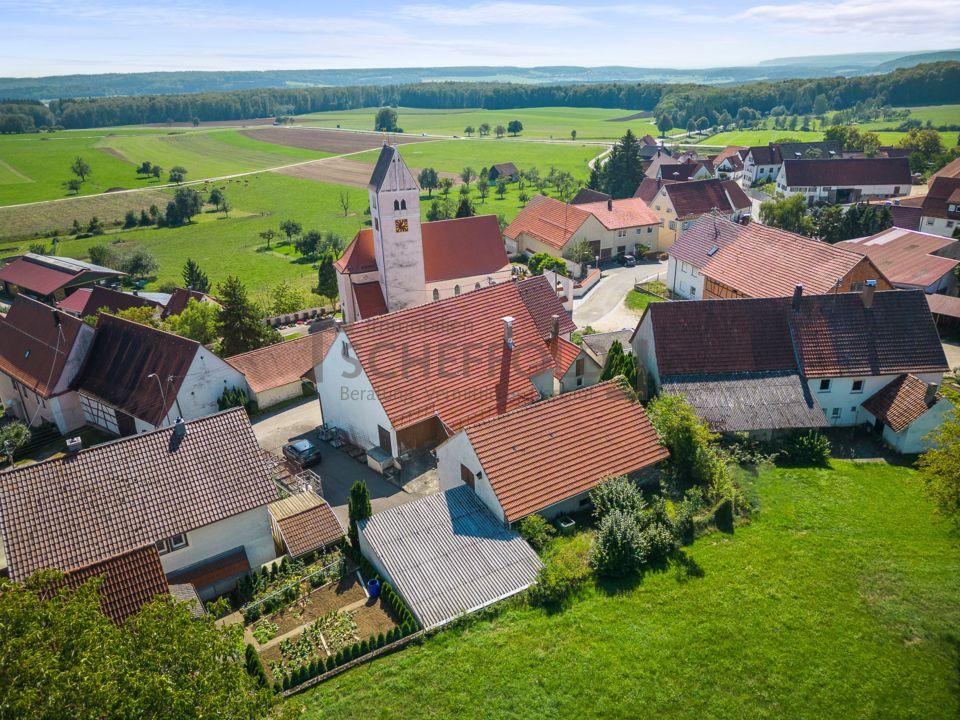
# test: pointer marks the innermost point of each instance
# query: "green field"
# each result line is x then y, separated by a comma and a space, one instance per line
544, 122
34, 167
839, 600
454, 155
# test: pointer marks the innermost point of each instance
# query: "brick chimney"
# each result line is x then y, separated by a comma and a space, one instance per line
610, 204
554, 326
866, 295
508, 332
797, 294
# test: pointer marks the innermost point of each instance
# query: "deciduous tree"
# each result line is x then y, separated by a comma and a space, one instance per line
429, 180
80, 168
177, 175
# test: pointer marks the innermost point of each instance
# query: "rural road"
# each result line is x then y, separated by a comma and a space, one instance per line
603, 308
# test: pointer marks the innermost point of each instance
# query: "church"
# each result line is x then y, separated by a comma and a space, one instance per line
400, 261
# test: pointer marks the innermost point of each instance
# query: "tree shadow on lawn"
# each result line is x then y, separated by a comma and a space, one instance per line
685, 568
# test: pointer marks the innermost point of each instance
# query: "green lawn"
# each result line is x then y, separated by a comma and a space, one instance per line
454, 155
839, 600
542, 122
638, 301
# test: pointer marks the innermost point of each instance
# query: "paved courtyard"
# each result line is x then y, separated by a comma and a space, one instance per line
603, 307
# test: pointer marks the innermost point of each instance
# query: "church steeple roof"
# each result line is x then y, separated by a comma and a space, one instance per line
381, 168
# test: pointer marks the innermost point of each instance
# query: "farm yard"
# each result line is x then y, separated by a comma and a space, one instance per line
828, 604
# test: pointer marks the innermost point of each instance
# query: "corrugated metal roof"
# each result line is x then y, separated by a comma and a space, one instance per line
750, 401
447, 555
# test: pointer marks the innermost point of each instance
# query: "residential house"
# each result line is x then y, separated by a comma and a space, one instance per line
401, 262
763, 364
50, 279
508, 171
410, 379
574, 367
181, 297
911, 260
280, 372
716, 258
197, 492
136, 378
546, 308
730, 167
610, 227
950, 170
684, 172
90, 300
41, 353
598, 345
940, 210
844, 180
586, 195
545, 458
679, 205
661, 156
763, 163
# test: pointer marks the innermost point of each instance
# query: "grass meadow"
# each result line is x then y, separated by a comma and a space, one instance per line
838, 600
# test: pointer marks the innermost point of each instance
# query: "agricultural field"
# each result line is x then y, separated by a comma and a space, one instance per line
543, 122
828, 604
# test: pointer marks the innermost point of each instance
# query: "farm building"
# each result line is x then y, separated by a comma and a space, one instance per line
90, 300
678, 205
912, 260
507, 171
844, 180
50, 279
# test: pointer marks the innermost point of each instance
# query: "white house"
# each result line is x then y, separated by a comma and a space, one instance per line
400, 261
545, 458
905, 411
844, 180
41, 352
198, 492
940, 211
137, 378
762, 163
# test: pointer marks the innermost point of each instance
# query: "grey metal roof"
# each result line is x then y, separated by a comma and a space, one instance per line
749, 401
447, 555
599, 343
70, 265
382, 166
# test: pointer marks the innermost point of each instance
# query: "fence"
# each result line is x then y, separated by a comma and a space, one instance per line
301, 315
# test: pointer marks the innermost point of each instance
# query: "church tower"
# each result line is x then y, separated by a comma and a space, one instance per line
397, 236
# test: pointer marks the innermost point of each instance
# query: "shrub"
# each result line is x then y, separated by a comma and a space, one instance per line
290, 594
684, 524
660, 542
723, 515
693, 459
536, 531
381, 640
809, 448
616, 493
620, 547
364, 647
252, 613
330, 663
543, 261
559, 579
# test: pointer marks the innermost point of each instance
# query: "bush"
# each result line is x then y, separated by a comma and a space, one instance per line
723, 515
810, 448
560, 578
684, 524
252, 613
543, 261
536, 531
616, 493
620, 547
660, 542
381, 640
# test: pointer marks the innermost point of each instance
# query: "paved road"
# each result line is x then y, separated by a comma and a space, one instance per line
603, 307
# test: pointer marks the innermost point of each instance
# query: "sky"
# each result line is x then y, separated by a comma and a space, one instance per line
56, 37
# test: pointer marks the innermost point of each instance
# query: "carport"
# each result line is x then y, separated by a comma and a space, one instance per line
447, 555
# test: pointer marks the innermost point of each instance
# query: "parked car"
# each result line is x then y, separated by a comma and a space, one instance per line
627, 259
303, 451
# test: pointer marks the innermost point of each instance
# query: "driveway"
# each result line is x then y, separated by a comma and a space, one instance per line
603, 308
338, 471
952, 350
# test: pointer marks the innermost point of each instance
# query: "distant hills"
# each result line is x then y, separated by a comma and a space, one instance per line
165, 83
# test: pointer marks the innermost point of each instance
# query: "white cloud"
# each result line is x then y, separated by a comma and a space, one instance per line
887, 17
503, 13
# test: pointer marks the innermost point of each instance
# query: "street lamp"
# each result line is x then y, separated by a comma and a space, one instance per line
163, 395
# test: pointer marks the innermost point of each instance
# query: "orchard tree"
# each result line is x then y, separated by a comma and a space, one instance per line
268, 236
484, 129
73, 185
156, 171
429, 180
468, 175
514, 127
197, 321
501, 187
573, 134
80, 168
702, 124
291, 229
177, 175
664, 124
386, 120
445, 186
469, 130
500, 130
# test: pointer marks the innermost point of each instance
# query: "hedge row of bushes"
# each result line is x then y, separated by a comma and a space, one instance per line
407, 626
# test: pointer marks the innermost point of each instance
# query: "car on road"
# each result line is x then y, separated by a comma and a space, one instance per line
627, 259
303, 451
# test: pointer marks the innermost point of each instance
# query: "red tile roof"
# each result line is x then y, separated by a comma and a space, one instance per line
845, 172
310, 530
937, 201
124, 353
88, 300
564, 353
906, 258
181, 298
950, 170
410, 360
35, 342
698, 197
130, 580
550, 221
71, 511
282, 363
901, 402
462, 248
699, 242
730, 151
768, 262
649, 187
540, 455
543, 303
369, 297
359, 256
44, 275
626, 213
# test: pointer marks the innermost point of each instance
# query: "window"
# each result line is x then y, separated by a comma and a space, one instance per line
467, 476
857, 386
403, 204
684, 267
856, 286
825, 385
658, 207
436, 294
580, 366
835, 414
929, 221
896, 190
621, 249
640, 230
650, 229
345, 348
456, 289
168, 545
477, 286
396, 205
949, 223
673, 225
621, 233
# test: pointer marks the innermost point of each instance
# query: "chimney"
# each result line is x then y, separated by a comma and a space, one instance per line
179, 429
930, 397
797, 294
136, 293
554, 326
74, 445
508, 332
869, 287
609, 203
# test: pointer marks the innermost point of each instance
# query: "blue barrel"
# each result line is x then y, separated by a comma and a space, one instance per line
373, 588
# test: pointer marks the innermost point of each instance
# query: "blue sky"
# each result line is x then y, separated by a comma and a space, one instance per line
42, 37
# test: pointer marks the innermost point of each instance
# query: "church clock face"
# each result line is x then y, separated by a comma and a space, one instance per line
401, 225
